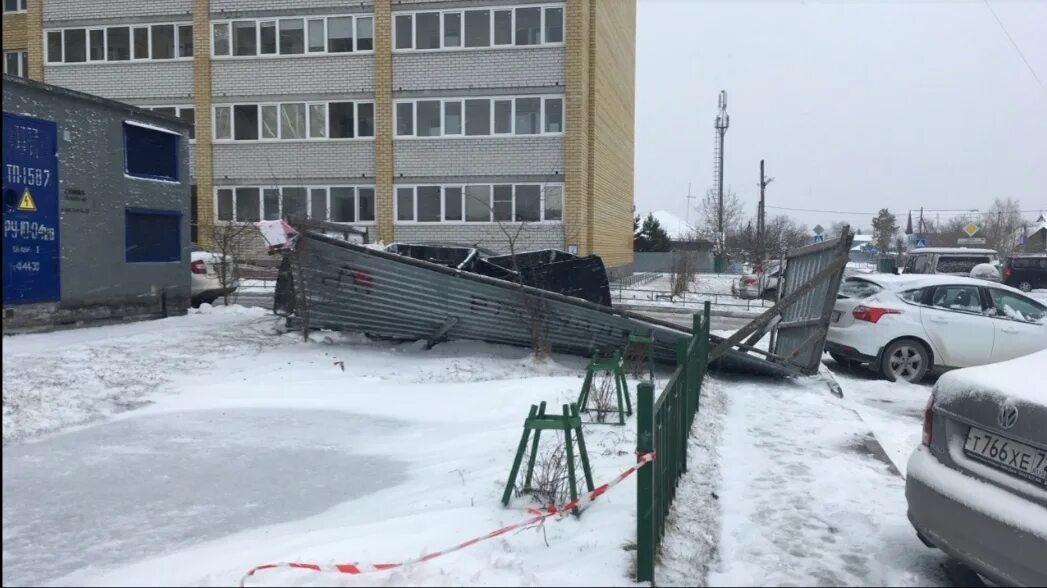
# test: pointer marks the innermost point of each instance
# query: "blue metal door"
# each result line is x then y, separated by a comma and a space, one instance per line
31, 246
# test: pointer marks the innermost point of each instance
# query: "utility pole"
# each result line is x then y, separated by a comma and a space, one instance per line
722, 122
761, 220
689, 199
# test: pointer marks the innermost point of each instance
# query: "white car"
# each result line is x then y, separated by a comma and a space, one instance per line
762, 283
905, 326
206, 279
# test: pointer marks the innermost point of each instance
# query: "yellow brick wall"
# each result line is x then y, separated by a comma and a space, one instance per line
600, 88
383, 121
578, 188
613, 99
34, 38
14, 32
202, 102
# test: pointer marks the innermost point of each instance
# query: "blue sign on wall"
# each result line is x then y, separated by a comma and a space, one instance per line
31, 246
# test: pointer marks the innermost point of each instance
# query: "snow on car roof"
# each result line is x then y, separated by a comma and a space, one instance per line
958, 250
913, 281
1019, 378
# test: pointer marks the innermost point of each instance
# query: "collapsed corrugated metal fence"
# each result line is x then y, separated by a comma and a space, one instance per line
343, 285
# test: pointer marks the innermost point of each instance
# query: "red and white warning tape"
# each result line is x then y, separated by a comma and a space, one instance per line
354, 568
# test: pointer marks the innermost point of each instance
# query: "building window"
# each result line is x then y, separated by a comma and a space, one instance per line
554, 25
427, 30
457, 29
294, 121
16, 63
185, 40
340, 204
186, 113
364, 33
524, 115
141, 42
245, 122
292, 36
503, 27
477, 28
120, 43
14, 6
74, 42
531, 203
150, 153
554, 115
152, 236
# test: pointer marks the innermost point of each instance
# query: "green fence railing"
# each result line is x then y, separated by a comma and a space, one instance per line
663, 426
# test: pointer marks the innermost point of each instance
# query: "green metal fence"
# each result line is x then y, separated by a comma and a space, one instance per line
663, 426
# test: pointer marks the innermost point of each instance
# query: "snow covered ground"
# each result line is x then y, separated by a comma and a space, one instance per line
250, 447
802, 497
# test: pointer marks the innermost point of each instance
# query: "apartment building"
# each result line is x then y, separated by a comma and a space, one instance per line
502, 123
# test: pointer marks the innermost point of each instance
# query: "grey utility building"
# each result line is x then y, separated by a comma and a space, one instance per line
96, 209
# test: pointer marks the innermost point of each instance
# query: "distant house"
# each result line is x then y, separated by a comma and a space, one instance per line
1032, 239
684, 236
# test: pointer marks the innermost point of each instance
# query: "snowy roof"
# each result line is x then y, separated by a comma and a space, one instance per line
677, 228
863, 238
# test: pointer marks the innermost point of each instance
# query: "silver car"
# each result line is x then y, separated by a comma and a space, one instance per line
977, 486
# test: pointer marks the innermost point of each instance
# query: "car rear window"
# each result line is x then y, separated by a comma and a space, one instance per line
960, 264
858, 289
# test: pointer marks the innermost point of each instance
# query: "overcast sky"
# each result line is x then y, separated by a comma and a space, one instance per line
854, 105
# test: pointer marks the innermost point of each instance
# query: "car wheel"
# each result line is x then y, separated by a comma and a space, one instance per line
1025, 287
906, 360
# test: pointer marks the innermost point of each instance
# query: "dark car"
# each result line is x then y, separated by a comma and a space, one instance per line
1025, 272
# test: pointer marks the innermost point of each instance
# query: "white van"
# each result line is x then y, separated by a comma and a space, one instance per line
953, 261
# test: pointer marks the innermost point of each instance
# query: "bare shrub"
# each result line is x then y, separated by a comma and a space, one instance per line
550, 484
603, 397
231, 241
683, 272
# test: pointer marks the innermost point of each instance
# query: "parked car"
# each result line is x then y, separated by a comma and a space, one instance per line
954, 261
205, 277
977, 486
1025, 272
761, 283
906, 326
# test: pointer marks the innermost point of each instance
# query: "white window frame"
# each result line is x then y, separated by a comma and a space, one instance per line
22, 7
491, 10
491, 133
105, 44
279, 122
178, 112
542, 186
308, 201
305, 22
23, 63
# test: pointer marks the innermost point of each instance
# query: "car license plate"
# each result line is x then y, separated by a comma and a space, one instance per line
836, 316
1008, 455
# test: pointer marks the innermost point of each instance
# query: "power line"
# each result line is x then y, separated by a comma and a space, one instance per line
1015, 45
939, 211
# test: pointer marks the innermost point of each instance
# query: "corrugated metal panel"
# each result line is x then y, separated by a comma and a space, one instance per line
801, 333
348, 286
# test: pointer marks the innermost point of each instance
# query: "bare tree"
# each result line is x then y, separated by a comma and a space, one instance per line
782, 233
709, 216
230, 242
1001, 223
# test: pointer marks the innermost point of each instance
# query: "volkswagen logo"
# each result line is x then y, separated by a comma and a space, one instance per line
1008, 415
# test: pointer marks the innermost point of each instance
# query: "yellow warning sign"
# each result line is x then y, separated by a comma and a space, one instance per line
26, 203
970, 229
